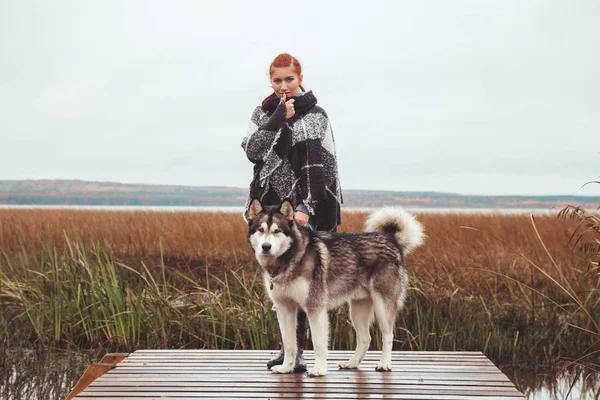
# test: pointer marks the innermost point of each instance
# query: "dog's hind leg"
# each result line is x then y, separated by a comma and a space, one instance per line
286, 315
386, 318
361, 314
319, 331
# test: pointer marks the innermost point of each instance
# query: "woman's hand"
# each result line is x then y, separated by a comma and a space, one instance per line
289, 107
301, 218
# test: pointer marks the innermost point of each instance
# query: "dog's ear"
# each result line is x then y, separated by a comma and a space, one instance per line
254, 209
287, 209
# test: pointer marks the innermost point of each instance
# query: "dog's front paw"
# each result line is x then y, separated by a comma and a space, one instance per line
280, 369
383, 367
317, 372
348, 365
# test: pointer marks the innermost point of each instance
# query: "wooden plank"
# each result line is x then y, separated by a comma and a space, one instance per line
113, 358
265, 358
302, 393
92, 373
303, 384
330, 379
378, 352
275, 395
308, 357
336, 353
262, 364
431, 389
330, 366
204, 374
333, 375
237, 372
289, 378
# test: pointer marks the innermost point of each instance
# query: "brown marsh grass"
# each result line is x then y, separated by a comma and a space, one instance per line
458, 246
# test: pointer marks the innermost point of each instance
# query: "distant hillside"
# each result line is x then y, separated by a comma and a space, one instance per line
76, 192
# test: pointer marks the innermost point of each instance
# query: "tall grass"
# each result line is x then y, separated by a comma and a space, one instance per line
125, 280
192, 241
586, 238
84, 298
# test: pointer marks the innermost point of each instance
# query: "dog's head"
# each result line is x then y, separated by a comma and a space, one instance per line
270, 230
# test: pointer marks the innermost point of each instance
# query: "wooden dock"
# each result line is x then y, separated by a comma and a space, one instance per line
235, 374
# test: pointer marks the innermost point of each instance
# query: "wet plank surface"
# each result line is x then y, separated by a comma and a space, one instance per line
235, 374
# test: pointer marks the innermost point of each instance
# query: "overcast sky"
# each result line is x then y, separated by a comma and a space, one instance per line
472, 97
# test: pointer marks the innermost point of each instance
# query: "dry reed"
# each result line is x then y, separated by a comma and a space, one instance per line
457, 248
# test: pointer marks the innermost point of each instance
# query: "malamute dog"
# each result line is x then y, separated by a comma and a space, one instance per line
318, 271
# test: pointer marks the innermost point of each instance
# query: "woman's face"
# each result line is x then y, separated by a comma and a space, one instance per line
286, 80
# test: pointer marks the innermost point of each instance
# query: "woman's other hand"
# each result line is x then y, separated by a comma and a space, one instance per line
301, 218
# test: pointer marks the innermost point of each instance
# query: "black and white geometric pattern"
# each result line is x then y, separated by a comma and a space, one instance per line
295, 159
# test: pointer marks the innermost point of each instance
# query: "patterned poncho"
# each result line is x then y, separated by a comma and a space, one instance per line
295, 159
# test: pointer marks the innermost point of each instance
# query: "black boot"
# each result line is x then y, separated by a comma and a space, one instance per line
300, 365
278, 360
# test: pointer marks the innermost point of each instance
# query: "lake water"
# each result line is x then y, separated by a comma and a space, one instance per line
237, 209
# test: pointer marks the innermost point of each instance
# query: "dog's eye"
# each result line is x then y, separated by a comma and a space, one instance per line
261, 230
277, 231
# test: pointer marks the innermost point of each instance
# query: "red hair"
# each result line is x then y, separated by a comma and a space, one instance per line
281, 61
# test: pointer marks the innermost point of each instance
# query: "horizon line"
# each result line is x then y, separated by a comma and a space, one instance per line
346, 189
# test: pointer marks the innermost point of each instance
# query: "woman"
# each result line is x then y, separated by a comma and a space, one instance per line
291, 144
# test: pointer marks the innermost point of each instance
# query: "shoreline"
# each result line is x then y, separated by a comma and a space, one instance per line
239, 209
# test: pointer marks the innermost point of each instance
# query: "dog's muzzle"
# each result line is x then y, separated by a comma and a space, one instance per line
266, 247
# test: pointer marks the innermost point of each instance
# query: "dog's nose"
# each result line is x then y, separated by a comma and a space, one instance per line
266, 247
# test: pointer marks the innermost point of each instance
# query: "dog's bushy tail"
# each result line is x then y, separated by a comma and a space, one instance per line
398, 222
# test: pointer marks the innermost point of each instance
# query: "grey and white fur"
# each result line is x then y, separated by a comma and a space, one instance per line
318, 271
